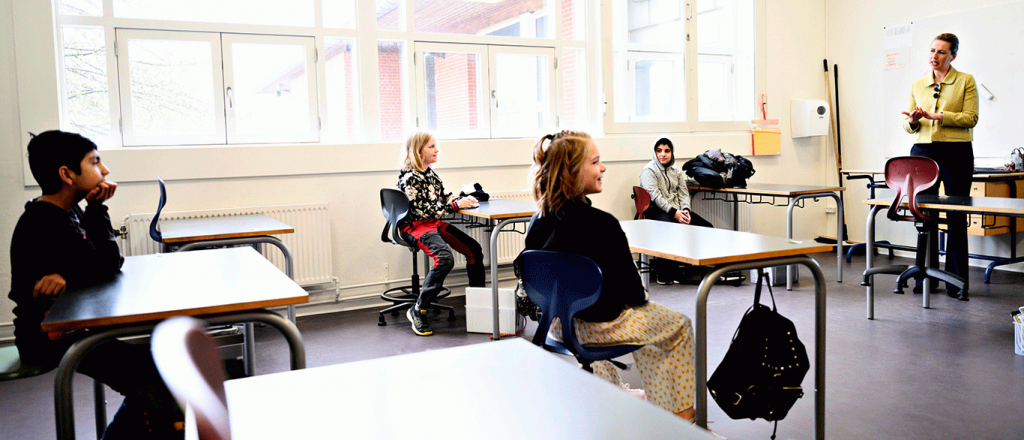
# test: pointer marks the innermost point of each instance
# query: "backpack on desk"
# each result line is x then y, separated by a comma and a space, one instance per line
761, 373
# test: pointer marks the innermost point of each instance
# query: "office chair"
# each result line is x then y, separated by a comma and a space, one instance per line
642, 200
154, 229
395, 206
562, 285
190, 365
908, 176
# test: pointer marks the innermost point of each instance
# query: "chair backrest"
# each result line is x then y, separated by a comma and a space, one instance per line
908, 176
642, 199
561, 285
190, 365
395, 206
154, 231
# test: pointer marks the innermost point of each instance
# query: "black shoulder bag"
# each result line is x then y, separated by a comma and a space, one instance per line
761, 373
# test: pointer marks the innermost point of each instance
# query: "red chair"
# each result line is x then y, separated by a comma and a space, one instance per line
908, 176
642, 199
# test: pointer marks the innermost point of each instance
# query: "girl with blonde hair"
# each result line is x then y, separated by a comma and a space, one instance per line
428, 202
567, 167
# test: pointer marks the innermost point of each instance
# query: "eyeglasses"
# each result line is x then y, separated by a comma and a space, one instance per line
937, 90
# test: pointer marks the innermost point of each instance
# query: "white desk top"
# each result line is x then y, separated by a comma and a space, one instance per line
708, 246
501, 209
158, 286
215, 228
508, 389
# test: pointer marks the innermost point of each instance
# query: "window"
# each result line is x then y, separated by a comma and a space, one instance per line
471, 91
680, 66
212, 72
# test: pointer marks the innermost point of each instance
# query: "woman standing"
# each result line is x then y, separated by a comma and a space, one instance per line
942, 113
670, 201
428, 202
567, 167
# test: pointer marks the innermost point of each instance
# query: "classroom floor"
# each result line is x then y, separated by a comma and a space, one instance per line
948, 372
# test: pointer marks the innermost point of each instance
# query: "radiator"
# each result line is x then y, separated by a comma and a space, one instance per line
719, 213
310, 244
510, 243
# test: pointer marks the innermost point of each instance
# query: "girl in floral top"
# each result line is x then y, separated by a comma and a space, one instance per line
428, 203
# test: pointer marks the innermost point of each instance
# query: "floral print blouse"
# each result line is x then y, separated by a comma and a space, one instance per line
426, 194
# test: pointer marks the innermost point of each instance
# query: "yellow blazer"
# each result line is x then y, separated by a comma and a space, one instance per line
958, 103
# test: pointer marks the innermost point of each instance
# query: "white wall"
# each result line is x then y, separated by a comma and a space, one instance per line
348, 177
854, 35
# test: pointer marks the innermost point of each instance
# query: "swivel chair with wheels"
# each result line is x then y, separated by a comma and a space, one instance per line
908, 176
395, 206
562, 285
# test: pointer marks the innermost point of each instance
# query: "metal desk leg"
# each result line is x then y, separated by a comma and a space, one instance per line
64, 408
869, 253
645, 276
99, 407
700, 334
496, 334
839, 233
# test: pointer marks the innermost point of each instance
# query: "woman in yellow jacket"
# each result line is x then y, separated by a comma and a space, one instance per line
942, 114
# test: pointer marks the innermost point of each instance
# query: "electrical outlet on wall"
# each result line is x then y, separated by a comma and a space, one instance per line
830, 210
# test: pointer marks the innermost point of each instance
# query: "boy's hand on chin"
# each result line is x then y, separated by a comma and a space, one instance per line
103, 191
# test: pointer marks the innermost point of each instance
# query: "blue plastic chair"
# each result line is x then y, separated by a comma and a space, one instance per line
562, 285
154, 232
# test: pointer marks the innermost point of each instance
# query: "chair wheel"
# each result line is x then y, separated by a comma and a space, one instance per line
381, 321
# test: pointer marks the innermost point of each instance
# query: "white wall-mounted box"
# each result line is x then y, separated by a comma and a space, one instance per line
809, 117
480, 311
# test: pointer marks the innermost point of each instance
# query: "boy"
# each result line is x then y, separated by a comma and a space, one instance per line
57, 244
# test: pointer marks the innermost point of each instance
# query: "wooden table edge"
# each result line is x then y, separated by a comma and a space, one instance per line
500, 216
822, 191
735, 258
192, 238
159, 316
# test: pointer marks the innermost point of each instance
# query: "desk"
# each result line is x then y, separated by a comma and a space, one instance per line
970, 205
504, 390
1012, 191
728, 251
223, 286
756, 193
504, 212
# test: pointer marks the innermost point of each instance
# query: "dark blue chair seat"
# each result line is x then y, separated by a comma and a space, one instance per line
562, 285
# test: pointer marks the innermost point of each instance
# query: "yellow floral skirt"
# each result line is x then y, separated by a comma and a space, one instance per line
665, 361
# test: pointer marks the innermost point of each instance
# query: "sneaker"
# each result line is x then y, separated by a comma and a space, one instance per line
420, 326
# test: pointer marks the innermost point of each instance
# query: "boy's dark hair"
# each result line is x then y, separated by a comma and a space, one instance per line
667, 142
50, 150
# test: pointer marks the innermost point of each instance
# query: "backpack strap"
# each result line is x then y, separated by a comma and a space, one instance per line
757, 290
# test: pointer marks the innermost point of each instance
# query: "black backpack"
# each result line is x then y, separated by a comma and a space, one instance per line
761, 373
718, 169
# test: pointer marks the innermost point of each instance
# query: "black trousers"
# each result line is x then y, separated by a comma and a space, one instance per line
438, 245
956, 171
655, 213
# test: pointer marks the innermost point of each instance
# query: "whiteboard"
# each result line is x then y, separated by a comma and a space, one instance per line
991, 49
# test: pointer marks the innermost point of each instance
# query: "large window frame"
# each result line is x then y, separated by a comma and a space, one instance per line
690, 57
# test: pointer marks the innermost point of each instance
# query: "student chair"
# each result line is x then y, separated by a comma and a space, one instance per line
190, 365
395, 206
908, 176
154, 229
642, 200
562, 285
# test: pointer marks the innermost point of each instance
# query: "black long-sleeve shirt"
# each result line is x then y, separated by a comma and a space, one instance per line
79, 245
581, 229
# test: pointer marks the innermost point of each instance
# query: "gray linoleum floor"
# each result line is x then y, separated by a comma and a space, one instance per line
948, 372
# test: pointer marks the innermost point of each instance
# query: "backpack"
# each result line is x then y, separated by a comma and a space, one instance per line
717, 169
761, 373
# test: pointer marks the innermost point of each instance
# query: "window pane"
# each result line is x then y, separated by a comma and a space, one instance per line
523, 98
574, 89
266, 12
270, 97
725, 69
574, 24
341, 89
651, 21
85, 83
339, 13
507, 18
392, 90
390, 15
452, 85
653, 88
82, 7
171, 88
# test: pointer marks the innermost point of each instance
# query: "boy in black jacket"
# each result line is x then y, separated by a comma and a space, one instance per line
57, 244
